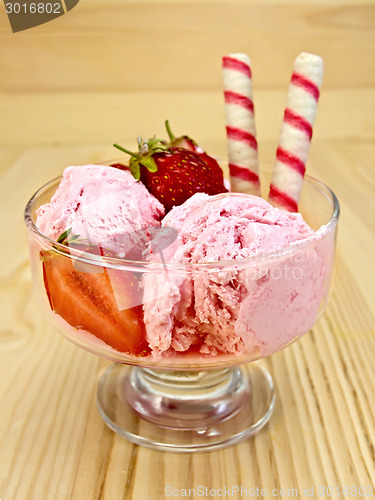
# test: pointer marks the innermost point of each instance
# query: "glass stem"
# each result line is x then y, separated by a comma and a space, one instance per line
186, 399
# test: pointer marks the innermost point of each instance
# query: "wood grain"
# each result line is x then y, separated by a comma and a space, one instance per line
95, 48
72, 87
72, 117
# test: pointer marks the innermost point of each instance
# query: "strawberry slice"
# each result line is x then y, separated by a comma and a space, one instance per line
107, 304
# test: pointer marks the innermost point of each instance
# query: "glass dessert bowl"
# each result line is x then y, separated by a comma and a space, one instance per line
184, 335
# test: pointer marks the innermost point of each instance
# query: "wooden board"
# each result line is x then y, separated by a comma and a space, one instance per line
109, 72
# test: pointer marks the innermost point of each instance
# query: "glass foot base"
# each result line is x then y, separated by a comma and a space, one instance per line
182, 411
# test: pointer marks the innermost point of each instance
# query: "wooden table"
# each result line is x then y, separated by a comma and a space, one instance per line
109, 71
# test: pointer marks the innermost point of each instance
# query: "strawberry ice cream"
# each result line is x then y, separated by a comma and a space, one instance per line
227, 274
102, 204
265, 279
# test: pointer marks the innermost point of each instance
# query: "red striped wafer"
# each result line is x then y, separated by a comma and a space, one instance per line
296, 131
240, 124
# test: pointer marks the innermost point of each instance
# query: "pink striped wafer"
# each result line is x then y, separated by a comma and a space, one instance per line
240, 124
296, 131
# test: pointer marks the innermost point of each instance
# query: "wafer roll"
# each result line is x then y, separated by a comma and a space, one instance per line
240, 124
296, 131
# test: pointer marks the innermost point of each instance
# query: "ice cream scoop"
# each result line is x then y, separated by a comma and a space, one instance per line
262, 287
105, 206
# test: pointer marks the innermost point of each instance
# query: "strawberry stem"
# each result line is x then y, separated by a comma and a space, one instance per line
126, 150
169, 131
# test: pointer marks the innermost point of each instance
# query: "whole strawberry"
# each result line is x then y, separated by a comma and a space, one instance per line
186, 142
174, 174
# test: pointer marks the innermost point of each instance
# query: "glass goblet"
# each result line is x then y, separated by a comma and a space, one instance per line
186, 399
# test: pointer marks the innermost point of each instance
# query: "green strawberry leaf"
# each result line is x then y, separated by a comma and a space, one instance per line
149, 163
135, 168
144, 156
64, 235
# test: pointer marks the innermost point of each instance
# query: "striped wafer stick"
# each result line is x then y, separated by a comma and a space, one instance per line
296, 131
240, 124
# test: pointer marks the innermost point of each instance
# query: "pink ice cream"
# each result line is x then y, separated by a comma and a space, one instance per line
102, 204
247, 301
242, 277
